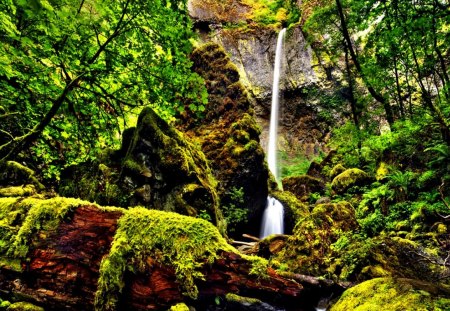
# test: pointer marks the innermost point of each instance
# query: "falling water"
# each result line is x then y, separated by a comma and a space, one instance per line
273, 129
272, 222
273, 218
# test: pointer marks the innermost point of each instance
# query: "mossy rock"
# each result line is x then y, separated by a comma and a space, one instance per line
309, 249
294, 209
336, 170
402, 257
176, 173
394, 295
303, 185
229, 136
24, 306
240, 303
349, 178
179, 307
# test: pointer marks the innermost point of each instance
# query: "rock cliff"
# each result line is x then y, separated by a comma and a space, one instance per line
306, 87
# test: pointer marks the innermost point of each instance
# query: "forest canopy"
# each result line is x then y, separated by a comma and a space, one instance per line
71, 72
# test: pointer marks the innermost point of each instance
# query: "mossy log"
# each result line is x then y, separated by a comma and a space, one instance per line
68, 254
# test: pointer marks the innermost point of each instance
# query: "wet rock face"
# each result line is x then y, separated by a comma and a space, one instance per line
305, 87
253, 51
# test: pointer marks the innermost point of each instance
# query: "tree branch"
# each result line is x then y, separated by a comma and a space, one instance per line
378, 97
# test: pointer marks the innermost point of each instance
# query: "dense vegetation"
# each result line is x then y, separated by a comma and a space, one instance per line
73, 73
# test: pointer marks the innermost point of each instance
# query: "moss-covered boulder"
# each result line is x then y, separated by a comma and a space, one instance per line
302, 186
336, 170
167, 172
229, 137
394, 295
309, 248
156, 167
349, 178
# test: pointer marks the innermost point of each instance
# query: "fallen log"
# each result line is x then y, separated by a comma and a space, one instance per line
67, 254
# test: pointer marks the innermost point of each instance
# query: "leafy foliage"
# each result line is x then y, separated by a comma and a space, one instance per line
71, 72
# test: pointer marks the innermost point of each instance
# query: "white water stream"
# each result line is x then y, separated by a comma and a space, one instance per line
274, 109
272, 222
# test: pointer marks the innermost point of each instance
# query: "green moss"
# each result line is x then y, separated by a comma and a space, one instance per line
182, 242
4, 304
21, 173
179, 307
382, 171
21, 219
336, 170
132, 165
349, 178
310, 248
24, 306
18, 191
230, 297
390, 294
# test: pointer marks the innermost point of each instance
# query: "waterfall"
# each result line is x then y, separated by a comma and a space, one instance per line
272, 222
273, 128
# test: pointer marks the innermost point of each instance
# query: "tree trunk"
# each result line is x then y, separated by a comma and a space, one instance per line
378, 97
62, 269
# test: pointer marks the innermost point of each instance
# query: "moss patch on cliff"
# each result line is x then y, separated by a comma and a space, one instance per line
229, 136
392, 294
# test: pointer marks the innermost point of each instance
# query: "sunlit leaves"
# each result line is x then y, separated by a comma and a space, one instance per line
124, 55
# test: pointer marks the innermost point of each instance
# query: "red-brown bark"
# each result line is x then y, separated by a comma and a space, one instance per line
63, 269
